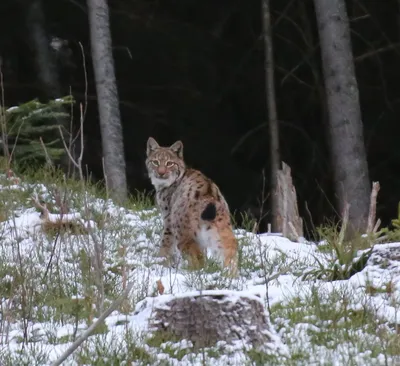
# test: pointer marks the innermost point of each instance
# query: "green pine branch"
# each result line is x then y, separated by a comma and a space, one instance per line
30, 122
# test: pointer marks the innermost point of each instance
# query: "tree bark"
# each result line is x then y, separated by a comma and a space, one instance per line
345, 124
272, 112
212, 317
107, 99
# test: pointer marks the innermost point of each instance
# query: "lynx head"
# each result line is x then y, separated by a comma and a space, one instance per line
164, 164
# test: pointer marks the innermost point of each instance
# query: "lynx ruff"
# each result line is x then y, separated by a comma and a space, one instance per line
195, 214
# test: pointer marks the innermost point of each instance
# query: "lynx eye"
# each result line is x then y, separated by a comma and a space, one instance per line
170, 164
155, 162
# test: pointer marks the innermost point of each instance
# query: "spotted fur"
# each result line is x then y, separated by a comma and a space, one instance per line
195, 214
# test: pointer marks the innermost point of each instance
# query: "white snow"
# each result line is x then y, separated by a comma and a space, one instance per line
270, 272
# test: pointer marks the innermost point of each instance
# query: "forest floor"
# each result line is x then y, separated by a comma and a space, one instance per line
56, 279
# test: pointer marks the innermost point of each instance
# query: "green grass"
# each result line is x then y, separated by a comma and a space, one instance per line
58, 282
331, 322
103, 351
66, 289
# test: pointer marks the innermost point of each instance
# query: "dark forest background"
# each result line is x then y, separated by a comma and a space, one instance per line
194, 70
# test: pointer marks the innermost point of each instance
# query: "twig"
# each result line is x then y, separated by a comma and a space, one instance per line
80, 6
345, 222
105, 177
284, 201
372, 207
294, 232
15, 145
53, 250
82, 142
381, 239
264, 198
313, 227
361, 17
71, 123
61, 203
281, 272
42, 207
91, 329
98, 264
46, 154
3, 121
376, 227
82, 110
85, 75
67, 149
77, 165
255, 228
63, 210
376, 51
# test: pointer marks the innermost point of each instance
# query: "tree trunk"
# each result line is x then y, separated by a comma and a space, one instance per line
398, 18
44, 59
45, 62
345, 124
107, 99
272, 113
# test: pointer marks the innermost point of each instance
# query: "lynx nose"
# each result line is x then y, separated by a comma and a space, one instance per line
162, 170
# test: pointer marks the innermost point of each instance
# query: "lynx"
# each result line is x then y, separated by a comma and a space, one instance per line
195, 214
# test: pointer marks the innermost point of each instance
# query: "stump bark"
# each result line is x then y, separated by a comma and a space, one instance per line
386, 256
212, 316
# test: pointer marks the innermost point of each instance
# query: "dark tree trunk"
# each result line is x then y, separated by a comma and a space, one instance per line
107, 99
345, 124
272, 113
45, 62
398, 18
44, 59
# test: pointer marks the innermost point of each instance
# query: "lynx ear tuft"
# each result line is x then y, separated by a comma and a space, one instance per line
177, 148
151, 145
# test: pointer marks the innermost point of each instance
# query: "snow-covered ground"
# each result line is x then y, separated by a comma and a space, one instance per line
41, 271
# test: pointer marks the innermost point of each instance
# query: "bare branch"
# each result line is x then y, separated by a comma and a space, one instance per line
86, 79
377, 225
376, 51
294, 231
82, 118
372, 208
345, 222
78, 164
61, 203
67, 149
46, 154
42, 207
3, 120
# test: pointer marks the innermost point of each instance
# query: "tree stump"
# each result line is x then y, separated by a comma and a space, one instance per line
209, 317
386, 256
288, 220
